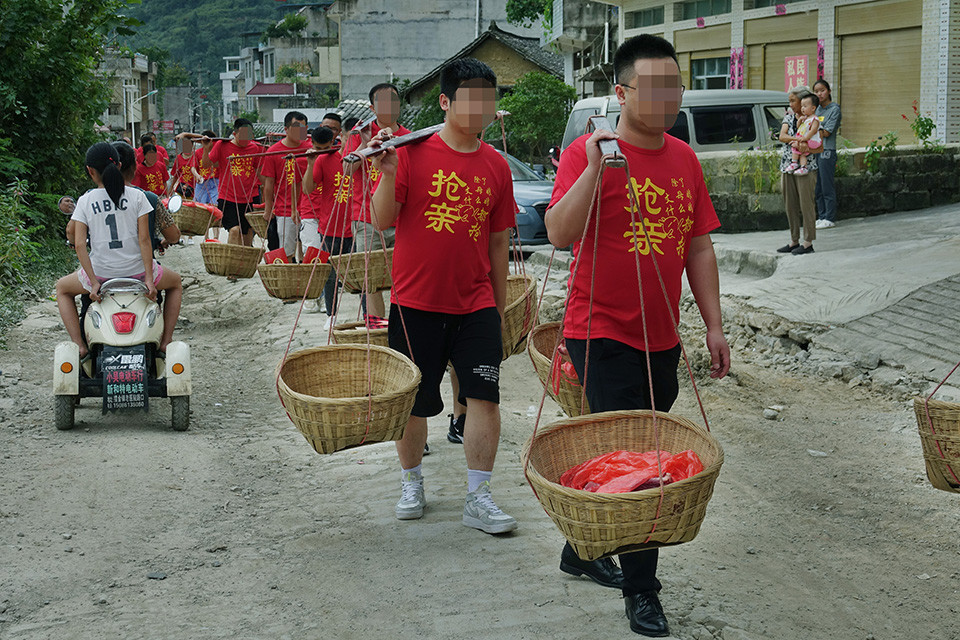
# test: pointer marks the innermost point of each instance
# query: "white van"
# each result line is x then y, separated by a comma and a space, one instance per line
709, 119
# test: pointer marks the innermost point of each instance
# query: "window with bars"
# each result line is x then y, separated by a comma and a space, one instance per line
701, 8
644, 18
710, 73
759, 4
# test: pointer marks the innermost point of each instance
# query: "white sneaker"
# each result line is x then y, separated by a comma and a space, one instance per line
412, 501
326, 325
190, 240
825, 224
480, 512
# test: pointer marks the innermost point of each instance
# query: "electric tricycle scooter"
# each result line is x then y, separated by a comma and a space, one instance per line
124, 367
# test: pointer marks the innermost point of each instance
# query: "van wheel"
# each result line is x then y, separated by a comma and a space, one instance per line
63, 411
180, 413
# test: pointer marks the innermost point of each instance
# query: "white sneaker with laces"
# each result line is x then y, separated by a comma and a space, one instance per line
827, 224
326, 325
412, 500
480, 512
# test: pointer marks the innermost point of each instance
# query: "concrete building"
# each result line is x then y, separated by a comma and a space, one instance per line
585, 34
309, 59
879, 55
395, 40
133, 100
508, 55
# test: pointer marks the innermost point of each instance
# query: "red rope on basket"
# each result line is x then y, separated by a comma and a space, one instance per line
926, 410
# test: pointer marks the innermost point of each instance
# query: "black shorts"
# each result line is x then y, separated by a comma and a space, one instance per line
617, 379
470, 341
235, 213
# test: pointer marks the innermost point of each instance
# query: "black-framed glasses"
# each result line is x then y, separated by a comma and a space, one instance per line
662, 90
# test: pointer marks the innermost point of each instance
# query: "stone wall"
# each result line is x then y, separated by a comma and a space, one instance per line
745, 187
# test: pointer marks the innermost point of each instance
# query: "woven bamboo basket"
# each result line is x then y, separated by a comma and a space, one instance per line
604, 524
289, 281
194, 221
540, 346
520, 313
356, 333
350, 270
325, 392
941, 445
222, 259
255, 218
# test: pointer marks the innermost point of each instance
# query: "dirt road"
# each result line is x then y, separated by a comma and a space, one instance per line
822, 524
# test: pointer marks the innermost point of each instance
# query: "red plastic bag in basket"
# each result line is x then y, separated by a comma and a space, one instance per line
624, 471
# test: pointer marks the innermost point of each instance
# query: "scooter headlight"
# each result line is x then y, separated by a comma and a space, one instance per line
151, 317
95, 318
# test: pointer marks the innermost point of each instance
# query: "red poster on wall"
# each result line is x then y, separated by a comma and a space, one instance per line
794, 72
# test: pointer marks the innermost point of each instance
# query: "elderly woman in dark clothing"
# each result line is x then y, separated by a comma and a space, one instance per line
799, 191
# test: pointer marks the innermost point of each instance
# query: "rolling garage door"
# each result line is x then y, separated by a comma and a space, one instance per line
879, 80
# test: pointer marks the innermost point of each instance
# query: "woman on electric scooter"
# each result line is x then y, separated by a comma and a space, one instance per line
117, 219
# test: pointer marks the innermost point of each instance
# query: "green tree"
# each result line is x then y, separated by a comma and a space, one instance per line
291, 26
527, 12
50, 95
429, 112
539, 106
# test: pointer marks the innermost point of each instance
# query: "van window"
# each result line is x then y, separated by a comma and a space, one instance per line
721, 125
577, 124
774, 117
680, 128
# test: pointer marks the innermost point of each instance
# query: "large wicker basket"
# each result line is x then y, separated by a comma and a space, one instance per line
235, 260
342, 396
350, 270
289, 281
941, 444
194, 220
604, 524
520, 314
540, 346
255, 218
356, 333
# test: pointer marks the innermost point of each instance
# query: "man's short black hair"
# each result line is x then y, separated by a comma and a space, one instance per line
458, 71
383, 85
241, 122
146, 139
293, 115
642, 47
322, 135
208, 133
332, 116
812, 97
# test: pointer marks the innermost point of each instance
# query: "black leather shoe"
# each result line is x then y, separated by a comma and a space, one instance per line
646, 615
604, 572
801, 250
788, 248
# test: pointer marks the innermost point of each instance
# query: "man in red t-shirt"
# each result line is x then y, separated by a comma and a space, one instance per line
151, 173
239, 175
451, 198
325, 207
677, 215
183, 166
282, 179
385, 103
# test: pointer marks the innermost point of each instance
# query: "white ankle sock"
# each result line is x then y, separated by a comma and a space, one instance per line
415, 473
476, 478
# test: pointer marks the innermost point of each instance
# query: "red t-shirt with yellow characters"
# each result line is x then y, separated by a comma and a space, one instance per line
181, 169
286, 172
238, 173
366, 168
152, 178
450, 204
675, 206
329, 202
205, 172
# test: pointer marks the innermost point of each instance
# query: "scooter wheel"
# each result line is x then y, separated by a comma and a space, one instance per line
63, 411
180, 412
